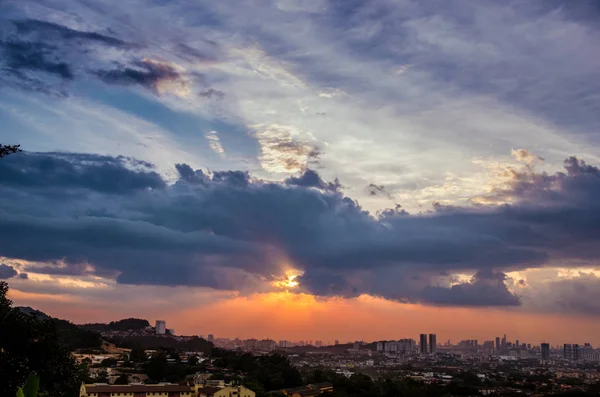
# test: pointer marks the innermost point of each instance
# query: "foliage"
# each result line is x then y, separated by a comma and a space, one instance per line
123, 379
152, 342
30, 345
31, 387
261, 373
138, 354
134, 324
71, 335
5, 150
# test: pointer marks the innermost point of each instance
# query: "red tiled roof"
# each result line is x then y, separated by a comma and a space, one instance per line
136, 388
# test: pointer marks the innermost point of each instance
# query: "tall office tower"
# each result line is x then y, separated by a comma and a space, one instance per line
161, 327
517, 344
211, 337
571, 352
545, 351
497, 343
504, 341
432, 343
337, 342
423, 343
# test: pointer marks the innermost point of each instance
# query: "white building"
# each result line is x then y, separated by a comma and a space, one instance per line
161, 327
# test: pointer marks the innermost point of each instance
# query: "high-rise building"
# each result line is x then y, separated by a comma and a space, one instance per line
571, 352
545, 351
432, 343
517, 344
337, 342
504, 341
423, 343
497, 343
211, 337
161, 327
406, 346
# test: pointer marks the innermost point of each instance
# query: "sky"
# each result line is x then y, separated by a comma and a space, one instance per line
318, 169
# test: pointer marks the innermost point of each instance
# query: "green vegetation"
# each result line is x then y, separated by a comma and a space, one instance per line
31, 387
259, 373
29, 345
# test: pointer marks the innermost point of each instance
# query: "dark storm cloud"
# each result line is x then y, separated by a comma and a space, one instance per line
7, 271
311, 178
71, 171
486, 288
23, 276
211, 228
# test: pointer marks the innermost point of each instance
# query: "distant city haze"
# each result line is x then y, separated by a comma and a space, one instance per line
301, 317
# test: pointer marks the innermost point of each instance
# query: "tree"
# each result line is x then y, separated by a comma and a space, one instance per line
32, 346
157, 367
123, 379
138, 355
5, 150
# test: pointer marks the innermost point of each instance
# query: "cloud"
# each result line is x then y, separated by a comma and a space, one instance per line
34, 50
310, 178
157, 76
525, 156
79, 171
227, 230
214, 142
211, 92
284, 149
19, 55
376, 190
486, 288
55, 32
7, 271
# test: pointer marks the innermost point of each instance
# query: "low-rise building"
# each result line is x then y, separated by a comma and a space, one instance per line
226, 391
312, 390
160, 390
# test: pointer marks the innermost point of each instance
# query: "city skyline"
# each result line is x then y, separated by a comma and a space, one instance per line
345, 170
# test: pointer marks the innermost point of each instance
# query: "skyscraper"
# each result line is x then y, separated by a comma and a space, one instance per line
211, 337
161, 327
423, 343
545, 351
432, 343
497, 343
571, 352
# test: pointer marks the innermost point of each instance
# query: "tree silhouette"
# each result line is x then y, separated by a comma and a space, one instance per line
29, 345
5, 150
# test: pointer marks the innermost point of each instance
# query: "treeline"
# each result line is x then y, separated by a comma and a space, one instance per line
151, 342
259, 373
126, 324
71, 335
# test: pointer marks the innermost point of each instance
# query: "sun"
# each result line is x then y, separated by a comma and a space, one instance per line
289, 281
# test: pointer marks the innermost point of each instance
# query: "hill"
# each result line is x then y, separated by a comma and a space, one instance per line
70, 334
128, 324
